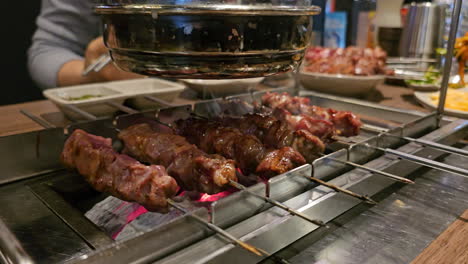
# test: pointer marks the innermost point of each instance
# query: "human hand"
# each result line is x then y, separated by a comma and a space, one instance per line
110, 72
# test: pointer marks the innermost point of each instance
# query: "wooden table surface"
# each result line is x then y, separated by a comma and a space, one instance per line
450, 247
13, 122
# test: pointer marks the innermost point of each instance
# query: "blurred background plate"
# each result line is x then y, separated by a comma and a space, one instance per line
425, 99
423, 87
347, 85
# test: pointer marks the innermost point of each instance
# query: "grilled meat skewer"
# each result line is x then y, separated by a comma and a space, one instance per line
125, 178
248, 151
345, 123
191, 167
276, 133
119, 175
282, 103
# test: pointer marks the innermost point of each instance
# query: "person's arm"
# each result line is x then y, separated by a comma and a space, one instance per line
63, 45
71, 72
64, 29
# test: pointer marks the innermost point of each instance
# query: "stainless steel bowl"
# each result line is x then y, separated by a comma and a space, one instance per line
206, 41
423, 32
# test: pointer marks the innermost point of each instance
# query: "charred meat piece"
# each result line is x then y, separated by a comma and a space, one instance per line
323, 129
345, 123
279, 161
247, 150
276, 133
271, 131
116, 174
191, 167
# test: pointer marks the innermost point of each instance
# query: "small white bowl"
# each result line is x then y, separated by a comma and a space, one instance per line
347, 85
98, 94
222, 87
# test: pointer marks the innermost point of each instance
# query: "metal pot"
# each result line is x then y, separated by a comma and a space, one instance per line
423, 31
207, 41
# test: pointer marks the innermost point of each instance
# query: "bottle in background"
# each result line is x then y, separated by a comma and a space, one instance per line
362, 29
345, 6
318, 24
388, 26
335, 30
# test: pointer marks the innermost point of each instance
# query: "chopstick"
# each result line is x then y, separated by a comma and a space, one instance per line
98, 64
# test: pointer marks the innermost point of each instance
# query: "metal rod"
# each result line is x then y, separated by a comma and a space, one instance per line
11, 248
276, 203
122, 108
379, 172
158, 101
426, 162
164, 124
435, 145
427, 143
448, 56
198, 116
80, 112
36, 119
220, 231
374, 129
338, 189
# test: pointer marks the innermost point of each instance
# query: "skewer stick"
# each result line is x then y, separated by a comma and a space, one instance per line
276, 203
423, 142
420, 160
338, 189
193, 114
364, 198
425, 162
164, 124
435, 145
37, 119
379, 172
220, 231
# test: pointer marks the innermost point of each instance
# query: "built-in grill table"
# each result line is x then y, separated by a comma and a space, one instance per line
44, 206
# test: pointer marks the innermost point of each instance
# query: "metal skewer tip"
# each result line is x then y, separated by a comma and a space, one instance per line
164, 124
278, 204
379, 172
193, 114
383, 173
427, 143
217, 229
364, 198
424, 161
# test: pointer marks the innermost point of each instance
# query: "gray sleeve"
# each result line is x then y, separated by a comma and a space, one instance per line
64, 29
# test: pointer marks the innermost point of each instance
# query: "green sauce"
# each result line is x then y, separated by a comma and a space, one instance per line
83, 97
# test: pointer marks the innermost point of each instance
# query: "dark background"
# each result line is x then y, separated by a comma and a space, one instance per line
18, 25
